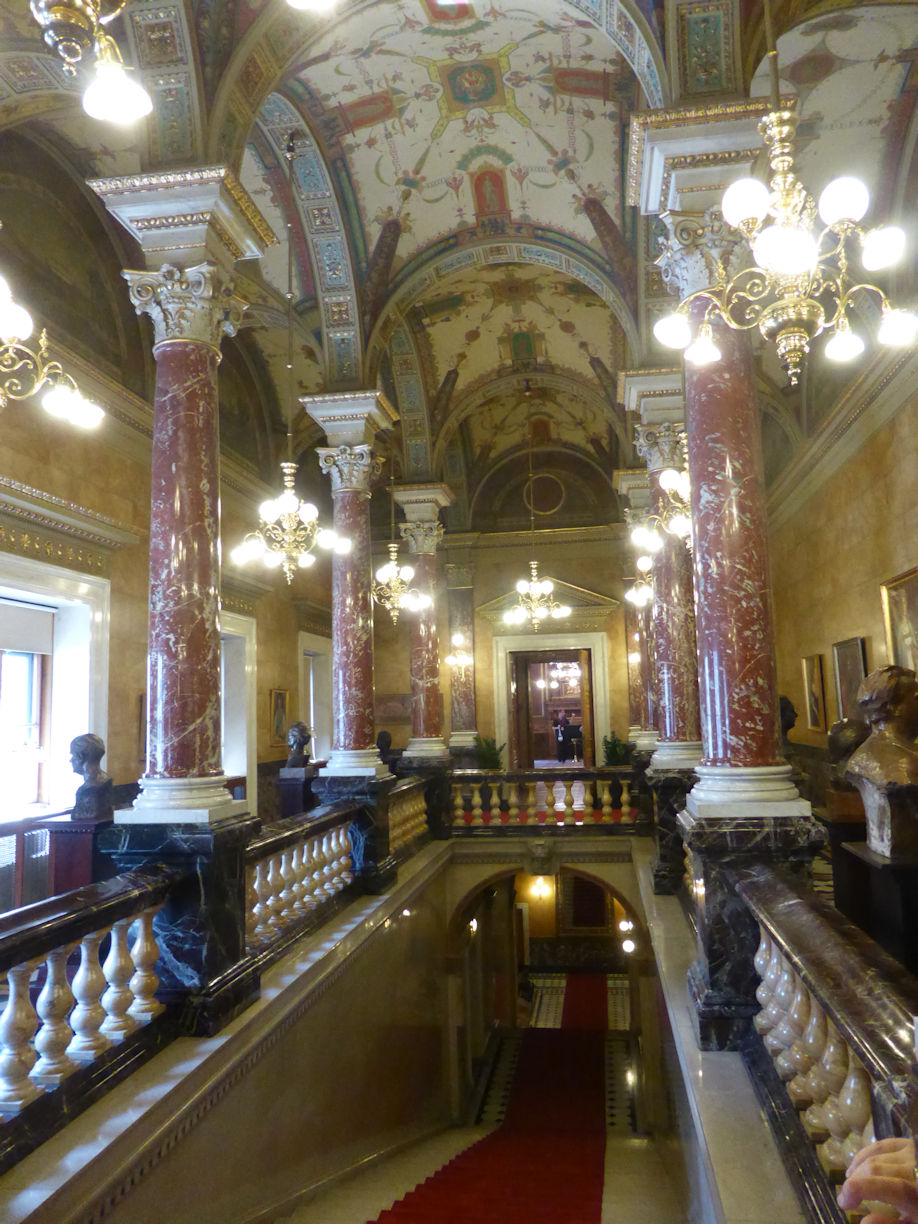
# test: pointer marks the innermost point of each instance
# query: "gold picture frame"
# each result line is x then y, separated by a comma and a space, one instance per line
814, 692
278, 703
900, 618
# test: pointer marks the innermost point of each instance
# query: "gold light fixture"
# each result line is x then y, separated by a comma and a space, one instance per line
536, 603
392, 588
25, 371
801, 283
74, 28
459, 657
289, 529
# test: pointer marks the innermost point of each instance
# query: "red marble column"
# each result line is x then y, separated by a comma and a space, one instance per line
736, 652
635, 681
463, 720
426, 726
673, 612
354, 727
191, 309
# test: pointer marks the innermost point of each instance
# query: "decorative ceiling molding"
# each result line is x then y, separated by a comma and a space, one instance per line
25, 504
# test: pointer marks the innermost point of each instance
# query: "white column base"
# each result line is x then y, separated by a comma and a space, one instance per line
183, 801
745, 790
462, 739
645, 740
430, 747
675, 754
355, 763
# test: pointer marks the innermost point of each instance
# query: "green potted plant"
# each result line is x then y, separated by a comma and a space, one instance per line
487, 753
614, 750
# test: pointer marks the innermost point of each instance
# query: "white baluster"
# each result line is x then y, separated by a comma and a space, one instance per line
838, 1111
251, 906
347, 874
803, 1054
144, 954
287, 895
605, 799
779, 1003
568, 801
495, 802
318, 875
532, 802
17, 1026
328, 872
513, 801
476, 803
275, 887
824, 1079
792, 1025
299, 880
53, 1006
86, 1019
309, 866
458, 805
855, 1105
626, 802
262, 909
766, 988
762, 953
118, 971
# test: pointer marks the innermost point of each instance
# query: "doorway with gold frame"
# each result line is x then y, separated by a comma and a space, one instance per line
551, 708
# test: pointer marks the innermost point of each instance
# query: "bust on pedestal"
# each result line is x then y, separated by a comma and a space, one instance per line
295, 781
93, 800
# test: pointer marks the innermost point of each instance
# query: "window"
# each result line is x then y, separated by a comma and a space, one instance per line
21, 708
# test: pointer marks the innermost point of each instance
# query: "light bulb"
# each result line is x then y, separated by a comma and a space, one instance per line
673, 330
746, 199
57, 401
845, 345
681, 525
632, 596
406, 573
541, 613
540, 683
669, 479
644, 564
308, 512
564, 610
704, 351
287, 503
342, 546
882, 247
626, 925
628, 945
114, 97
269, 511
898, 327
15, 321
326, 538
637, 535
634, 656
305, 560
653, 541
547, 586
458, 639
523, 586
85, 414
385, 572
684, 487
844, 199
273, 560
785, 250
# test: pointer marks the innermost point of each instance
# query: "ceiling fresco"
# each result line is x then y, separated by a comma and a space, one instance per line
468, 117
856, 83
513, 318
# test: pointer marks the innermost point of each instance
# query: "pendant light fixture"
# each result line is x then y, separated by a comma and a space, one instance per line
392, 589
289, 529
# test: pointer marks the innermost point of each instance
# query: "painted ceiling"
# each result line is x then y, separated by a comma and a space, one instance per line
448, 116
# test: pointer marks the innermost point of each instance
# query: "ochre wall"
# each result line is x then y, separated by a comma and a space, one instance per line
858, 530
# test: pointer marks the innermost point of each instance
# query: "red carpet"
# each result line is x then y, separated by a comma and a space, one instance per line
585, 1003
545, 1163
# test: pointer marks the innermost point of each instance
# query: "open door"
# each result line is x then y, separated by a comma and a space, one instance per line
548, 687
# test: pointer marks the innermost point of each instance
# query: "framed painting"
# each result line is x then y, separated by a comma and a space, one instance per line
850, 659
815, 690
277, 715
900, 614
392, 708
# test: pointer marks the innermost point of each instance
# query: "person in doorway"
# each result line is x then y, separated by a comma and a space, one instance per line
560, 725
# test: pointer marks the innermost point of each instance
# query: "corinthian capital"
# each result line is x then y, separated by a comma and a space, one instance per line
701, 250
350, 467
660, 446
187, 303
423, 537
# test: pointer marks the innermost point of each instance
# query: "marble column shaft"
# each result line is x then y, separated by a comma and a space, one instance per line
353, 720
675, 653
426, 722
648, 671
635, 679
736, 652
462, 687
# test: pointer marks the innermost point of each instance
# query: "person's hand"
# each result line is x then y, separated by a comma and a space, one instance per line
882, 1172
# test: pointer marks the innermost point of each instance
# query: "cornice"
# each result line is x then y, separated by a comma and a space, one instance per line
27, 505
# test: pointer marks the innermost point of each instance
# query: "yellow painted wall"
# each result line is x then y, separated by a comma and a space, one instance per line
858, 530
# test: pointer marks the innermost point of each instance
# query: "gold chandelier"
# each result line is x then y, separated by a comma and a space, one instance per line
74, 28
801, 284
289, 529
536, 603
25, 371
392, 589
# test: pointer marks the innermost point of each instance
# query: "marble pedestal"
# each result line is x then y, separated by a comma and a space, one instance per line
723, 979
294, 785
374, 866
882, 900
670, 787
73, 847
201, 927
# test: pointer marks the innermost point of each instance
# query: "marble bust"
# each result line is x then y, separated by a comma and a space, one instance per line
93, 800
885, 767
298, 736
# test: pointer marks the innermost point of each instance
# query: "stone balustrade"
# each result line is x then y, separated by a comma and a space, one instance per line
836, 1028
80, 974
407, 815
550, 798
292, 869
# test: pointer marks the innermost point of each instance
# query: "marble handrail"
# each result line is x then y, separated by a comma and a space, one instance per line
79, 1015
543, 797
836, 1019
292, 868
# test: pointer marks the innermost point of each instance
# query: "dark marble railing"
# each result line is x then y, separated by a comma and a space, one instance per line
833, 1049
543, 798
